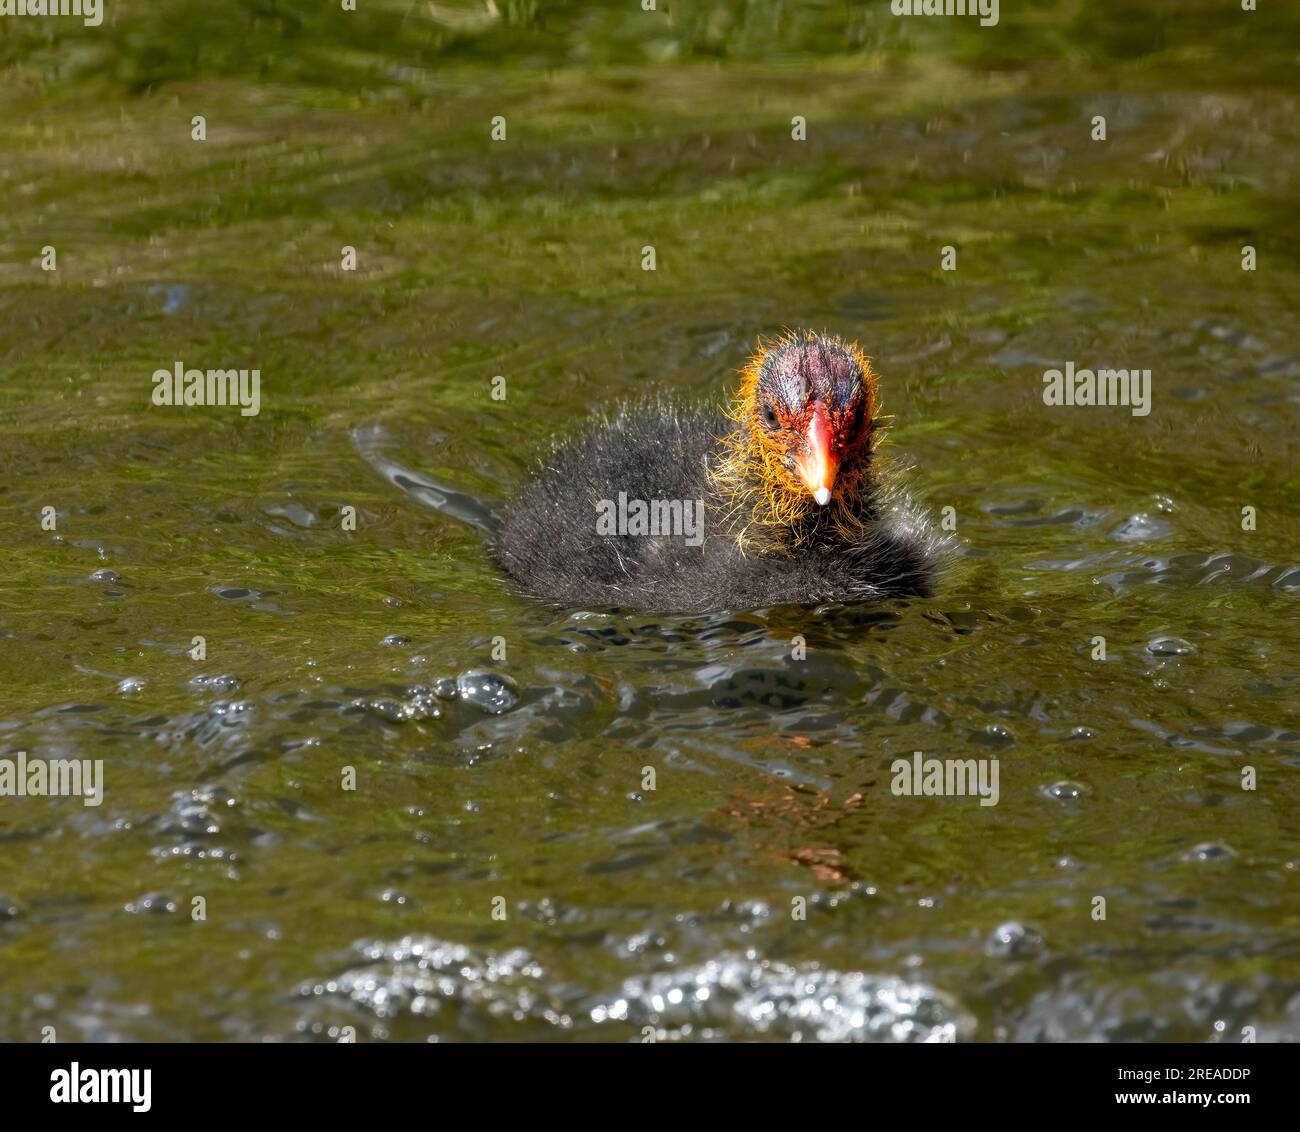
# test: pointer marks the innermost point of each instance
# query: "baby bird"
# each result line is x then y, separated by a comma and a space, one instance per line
783, 498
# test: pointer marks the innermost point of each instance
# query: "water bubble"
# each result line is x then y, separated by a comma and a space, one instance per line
1209, 851
1065, 791
154, 902
192, 811
395, 639
754, 996
1170, 646
1081, 733
104, 576
130, 684
417, 974
214, 795
225, 683
490, 691
1013, 940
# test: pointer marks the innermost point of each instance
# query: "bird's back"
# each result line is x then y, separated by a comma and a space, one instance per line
557, 542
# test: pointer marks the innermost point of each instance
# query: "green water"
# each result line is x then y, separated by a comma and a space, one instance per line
675, 908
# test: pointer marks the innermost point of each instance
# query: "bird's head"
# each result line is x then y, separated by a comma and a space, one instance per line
807, 416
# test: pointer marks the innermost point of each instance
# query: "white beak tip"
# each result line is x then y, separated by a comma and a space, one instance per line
822, 495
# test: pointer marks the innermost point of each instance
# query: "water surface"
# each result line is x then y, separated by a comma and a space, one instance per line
498, 744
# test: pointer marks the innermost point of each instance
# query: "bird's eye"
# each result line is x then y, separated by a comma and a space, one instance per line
769, 416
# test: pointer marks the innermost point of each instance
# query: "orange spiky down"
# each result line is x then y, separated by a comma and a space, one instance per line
764, 502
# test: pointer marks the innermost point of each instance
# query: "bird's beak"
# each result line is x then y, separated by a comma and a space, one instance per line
817, 467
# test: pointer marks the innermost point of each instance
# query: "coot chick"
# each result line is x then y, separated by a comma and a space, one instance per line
783, 498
